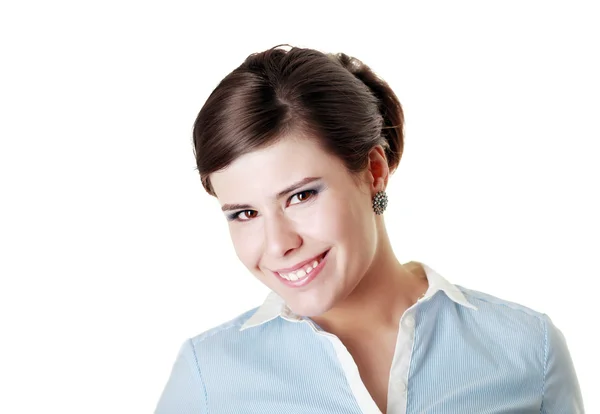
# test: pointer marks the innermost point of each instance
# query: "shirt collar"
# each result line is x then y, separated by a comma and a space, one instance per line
275, 306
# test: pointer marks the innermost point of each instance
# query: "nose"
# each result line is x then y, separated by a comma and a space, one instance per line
281, 236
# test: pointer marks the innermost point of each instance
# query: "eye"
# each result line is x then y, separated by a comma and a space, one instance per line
247, 215
244, 213
304, 195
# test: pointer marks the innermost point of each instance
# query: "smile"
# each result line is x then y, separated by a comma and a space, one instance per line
303, 273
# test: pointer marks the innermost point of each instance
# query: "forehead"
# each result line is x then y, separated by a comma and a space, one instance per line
268, 170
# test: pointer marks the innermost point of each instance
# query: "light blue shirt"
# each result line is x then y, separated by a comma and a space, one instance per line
458, 351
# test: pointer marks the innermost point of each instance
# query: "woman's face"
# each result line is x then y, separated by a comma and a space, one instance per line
276, 228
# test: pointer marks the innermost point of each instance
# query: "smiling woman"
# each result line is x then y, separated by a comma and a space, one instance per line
298, 147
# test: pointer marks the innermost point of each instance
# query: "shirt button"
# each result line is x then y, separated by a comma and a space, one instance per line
409, 321
402, 386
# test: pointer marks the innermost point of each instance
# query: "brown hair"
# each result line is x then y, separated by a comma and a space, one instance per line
334, 98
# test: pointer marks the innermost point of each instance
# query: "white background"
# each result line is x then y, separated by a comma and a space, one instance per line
111, 254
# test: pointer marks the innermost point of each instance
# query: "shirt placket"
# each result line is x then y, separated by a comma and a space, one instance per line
398, 384
364, 400
398, 381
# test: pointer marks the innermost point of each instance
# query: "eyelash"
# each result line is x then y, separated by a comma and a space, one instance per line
313, 192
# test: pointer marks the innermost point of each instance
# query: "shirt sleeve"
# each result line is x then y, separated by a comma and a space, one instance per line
561, 392
184, 392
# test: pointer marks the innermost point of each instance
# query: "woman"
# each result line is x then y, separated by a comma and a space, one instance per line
298, 147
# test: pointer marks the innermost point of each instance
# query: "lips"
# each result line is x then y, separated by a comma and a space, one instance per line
301, 279
301, 264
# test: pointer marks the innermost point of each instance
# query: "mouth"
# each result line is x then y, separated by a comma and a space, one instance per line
305, 273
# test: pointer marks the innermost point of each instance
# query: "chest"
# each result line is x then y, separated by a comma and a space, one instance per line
373, 356
321, 375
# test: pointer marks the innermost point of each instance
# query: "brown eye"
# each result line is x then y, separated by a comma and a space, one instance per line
303, 195
246, 215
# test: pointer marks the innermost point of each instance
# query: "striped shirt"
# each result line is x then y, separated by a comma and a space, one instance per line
457, 351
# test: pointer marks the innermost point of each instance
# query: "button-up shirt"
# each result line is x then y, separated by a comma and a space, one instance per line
457, 351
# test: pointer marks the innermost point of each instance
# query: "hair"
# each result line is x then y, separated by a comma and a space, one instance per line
333, 98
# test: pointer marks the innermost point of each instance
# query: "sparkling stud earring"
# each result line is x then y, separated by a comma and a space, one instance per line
380, 202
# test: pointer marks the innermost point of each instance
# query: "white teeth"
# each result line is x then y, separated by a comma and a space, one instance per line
300, 273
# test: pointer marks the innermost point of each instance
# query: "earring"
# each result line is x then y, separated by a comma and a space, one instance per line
380, 202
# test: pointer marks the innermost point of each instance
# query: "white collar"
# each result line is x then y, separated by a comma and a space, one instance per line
275, 306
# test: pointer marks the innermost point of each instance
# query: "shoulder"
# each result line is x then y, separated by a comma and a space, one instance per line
226, 329
533, 334
519, 325
516, 337
490, 304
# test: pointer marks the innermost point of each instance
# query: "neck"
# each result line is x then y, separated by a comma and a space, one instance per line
379, 300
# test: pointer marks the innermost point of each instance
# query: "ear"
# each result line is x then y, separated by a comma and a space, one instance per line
378, 169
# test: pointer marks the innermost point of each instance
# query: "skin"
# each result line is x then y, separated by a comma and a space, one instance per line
363, 290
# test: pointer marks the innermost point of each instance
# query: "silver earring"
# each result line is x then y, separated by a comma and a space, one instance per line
380, 202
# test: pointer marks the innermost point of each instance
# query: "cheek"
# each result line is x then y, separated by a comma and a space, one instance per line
347, 221
247, 246
354, 232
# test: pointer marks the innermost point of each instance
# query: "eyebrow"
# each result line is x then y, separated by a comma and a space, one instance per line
295, 186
